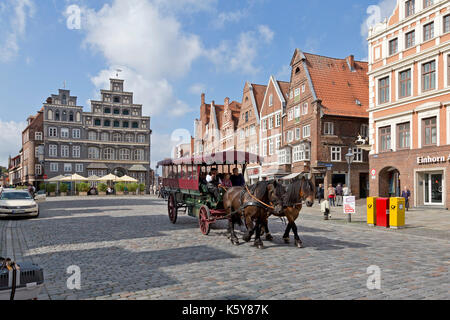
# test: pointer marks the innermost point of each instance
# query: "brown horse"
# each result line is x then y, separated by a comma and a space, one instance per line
252, 203
299, 191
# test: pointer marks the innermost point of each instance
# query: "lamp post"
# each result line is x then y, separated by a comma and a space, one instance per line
350, 156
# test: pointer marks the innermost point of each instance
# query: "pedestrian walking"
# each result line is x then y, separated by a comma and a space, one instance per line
321, 193
406, 193
331, 195
346, 191
339, 194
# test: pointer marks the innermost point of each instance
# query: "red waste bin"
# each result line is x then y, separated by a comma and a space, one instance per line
383, 212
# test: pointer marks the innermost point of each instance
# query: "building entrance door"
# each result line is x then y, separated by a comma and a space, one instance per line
433, 188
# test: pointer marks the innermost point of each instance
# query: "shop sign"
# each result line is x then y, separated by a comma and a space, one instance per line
350, 205
253, 172
432, 160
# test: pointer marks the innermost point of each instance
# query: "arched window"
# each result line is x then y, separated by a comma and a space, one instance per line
57, 115
117, 137
71, 117
78, 117
93, 153
138, 155
64, 116
129, 138
50, 115
124, 154
108, 154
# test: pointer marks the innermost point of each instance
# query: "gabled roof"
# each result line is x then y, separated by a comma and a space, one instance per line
259, 91
281, 88
338, 86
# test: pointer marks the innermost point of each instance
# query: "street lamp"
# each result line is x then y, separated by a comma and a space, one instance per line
350, 156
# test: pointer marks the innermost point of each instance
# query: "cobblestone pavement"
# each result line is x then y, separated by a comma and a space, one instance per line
126, 248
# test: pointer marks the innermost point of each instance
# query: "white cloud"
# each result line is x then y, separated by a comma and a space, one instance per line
10, 139
197, 88
187, 6
241, 58
227, 17
13, 29
151, 48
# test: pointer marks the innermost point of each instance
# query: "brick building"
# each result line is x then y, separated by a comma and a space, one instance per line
326, 111
409, 74
33, 150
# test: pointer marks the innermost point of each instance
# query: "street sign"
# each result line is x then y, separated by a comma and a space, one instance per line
350, 205
373, 172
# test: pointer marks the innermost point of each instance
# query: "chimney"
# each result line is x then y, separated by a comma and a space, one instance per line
351, 62
203, 98
213, 103
227, 102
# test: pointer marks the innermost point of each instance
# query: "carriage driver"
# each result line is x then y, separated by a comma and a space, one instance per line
213, 182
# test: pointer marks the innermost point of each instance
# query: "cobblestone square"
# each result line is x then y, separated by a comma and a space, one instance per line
126, 248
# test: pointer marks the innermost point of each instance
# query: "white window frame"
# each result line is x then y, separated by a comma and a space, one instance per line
271, 147
65, 133
277, 120
38, 170
307, 131
54, 167
284, 156
336, 154
38, 136
67, 167
53, 150
297, 112
305, 109
328, 129
53, 132
76, 152
79, 167
271, 100
291, 114
65, 151
359, 155
297, 134
76, 133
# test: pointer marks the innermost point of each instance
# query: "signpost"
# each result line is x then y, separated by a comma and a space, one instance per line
350, 205
373, 172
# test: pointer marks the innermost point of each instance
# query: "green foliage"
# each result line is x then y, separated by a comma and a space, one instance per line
64, 188
141, 187
82, 187
132, 187
120, 186
42, 186
51, 187
102, 187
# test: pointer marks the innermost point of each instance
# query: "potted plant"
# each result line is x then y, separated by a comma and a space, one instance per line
142, 188
120, 188
51, 189
132, 188
102, 187
64, 188
82, 189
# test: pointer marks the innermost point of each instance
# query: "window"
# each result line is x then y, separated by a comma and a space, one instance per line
264, 151
264, 127
297, 92
78, 117
364, 131
107, 110
277, 120
429, 76
76, 133
124, 154
290, 136
79, 167
126, 112
126, 124
135, 125
38, 170
385, 138
297, 112
278, 143
76, 151
53, 167
67, 167
383, 90
242, 133
107, 123
284, 157
358, 155
104, 136
297, 134
271, 100
141, 138
393, 46
92, 135
303, 88
138, 155
271, 150
429, 131
328, 129
306, 131
71, 119
336, 153
64, 99
97, 122
428, 31
50, 115
38, 136
57, 115
53, 150
403, 134
427, 3
65, 151
291, 114
129, 138
409, 8
64, 116
116, 111
301, 153
405, 84
410, 39
64, 133
246, 116
304, 109
270, 123
252, 130
116, 99
108, 154
116, 124
52, 132
93, 153
447, 23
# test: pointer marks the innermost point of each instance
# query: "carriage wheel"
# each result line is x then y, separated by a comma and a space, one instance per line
172, 209
203, 220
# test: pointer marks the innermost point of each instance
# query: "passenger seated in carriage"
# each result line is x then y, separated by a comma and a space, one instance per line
213, 182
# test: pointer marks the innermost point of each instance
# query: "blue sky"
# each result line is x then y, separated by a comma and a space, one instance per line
169, 50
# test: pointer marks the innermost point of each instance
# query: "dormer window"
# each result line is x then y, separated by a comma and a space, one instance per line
64, 99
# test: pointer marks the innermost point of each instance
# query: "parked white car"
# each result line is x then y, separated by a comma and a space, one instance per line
17, 203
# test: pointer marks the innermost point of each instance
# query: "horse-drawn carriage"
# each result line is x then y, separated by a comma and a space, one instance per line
187, 192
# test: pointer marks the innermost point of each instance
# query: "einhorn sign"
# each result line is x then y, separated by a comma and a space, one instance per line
432, 160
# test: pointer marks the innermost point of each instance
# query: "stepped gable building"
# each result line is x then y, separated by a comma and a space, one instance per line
114, 137
326, 111
271, 129
409, 73
33, 150
248, 130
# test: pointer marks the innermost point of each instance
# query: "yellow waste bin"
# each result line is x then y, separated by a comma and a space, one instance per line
372, 211
397, 213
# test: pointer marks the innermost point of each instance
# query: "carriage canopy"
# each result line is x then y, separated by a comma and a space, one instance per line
226, 157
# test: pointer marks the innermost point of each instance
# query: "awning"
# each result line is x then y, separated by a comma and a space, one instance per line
138, 167
291, 176
97, 166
